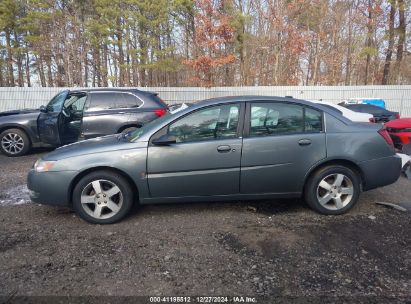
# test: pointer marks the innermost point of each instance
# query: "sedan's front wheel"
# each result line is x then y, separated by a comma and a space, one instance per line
332, 190
102, 197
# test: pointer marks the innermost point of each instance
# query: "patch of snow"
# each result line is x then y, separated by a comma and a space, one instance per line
15, 196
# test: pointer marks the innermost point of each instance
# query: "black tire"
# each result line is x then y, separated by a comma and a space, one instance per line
313, 192
23, 143
104, 177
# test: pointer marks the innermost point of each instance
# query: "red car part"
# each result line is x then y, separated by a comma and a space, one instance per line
400, 128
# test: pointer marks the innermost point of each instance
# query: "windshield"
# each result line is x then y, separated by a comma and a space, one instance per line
56, 103
147, 127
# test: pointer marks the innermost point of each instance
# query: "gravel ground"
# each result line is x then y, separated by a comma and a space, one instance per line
276, 248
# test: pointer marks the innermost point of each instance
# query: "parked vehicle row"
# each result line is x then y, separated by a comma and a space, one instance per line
232, 148
76, 115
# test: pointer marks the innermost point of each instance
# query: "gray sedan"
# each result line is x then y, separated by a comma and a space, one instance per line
231, 148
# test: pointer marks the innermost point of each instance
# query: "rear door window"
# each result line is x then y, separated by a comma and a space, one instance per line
113, 100
102, 101
275, 118
283, 118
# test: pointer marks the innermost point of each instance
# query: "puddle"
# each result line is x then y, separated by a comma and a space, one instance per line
15, 196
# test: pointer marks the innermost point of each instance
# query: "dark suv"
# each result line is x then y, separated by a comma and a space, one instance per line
78, 114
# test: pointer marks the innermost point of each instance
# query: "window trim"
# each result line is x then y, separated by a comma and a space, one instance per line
247, 119
241, 116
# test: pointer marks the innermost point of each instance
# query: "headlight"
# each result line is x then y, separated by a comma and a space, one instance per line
43, 166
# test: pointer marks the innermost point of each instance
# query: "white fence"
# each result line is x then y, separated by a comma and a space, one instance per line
398, 98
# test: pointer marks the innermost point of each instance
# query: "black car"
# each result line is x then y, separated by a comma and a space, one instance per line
381, 115
75, 115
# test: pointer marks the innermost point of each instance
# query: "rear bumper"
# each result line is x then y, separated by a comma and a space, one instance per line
50, 188
380, 172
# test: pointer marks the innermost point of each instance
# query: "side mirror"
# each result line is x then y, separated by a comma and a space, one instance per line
165, 140
43, 109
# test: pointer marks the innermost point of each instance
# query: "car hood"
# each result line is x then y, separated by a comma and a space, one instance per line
400, 123
96, 145
19, 112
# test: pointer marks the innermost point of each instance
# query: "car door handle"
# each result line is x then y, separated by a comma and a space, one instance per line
223, 149
304, 142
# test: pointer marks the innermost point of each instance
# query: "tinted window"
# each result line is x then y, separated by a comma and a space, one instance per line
127, 100
208, 124
56, 103
80, 102
280, 118
75, 102
274, 118
313, 120
103, 101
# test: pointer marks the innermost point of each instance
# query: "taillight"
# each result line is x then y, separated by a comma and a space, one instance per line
160, 112
397, 116
383, 132
372, 119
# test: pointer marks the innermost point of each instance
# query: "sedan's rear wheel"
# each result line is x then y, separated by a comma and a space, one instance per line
102, 197
332, 190
14, 142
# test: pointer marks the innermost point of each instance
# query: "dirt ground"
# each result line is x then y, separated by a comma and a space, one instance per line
276, 248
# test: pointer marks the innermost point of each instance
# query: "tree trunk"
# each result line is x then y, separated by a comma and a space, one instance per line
40, 70
2, 84
143, 60
50, 82
19, 59
105, 65
349, 48
119, 34
401, 39
387, 65
10, 79
369, 42
27, 65
96, 67
85, 64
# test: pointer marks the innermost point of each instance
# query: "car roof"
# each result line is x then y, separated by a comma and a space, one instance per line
251, 98
91, 90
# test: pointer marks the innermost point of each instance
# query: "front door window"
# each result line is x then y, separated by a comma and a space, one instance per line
56, 103
208, 124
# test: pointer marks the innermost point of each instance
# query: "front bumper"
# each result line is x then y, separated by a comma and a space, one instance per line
380, 172
50, 188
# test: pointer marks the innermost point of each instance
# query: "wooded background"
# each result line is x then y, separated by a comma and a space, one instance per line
65, 43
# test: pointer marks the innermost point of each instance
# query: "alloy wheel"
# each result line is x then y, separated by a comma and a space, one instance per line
101, 199
12, 143
335, 191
